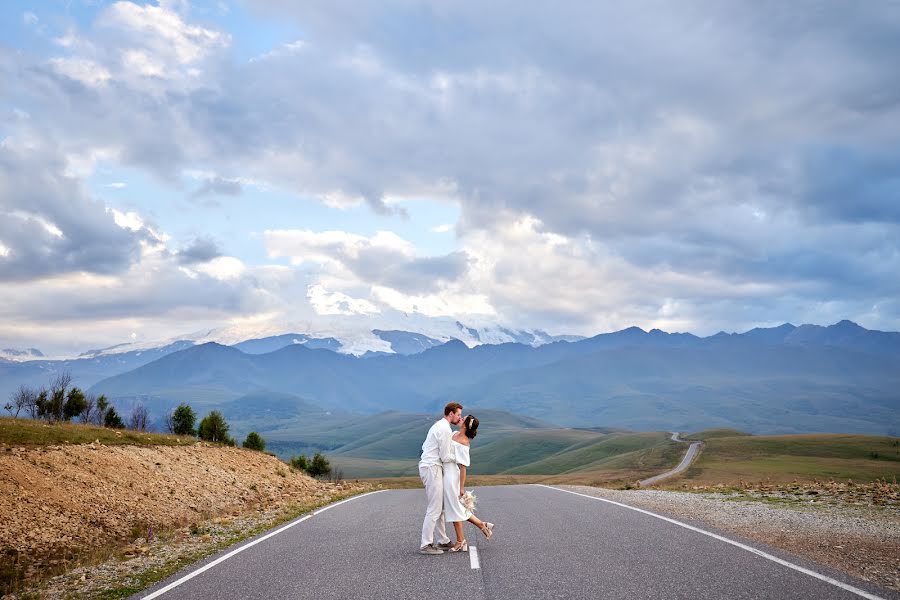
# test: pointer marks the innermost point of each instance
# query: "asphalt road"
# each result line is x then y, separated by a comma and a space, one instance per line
548, 543
689, 456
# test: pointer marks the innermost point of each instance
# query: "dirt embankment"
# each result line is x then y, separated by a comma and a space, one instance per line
59, 503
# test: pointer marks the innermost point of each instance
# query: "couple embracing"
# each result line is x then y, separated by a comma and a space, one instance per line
445, 456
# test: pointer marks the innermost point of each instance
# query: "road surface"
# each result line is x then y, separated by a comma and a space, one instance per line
689, 456
548, 543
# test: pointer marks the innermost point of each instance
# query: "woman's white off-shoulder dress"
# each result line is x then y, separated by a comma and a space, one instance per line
454, 510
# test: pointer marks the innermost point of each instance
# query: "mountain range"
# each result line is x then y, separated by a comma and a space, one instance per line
785, 379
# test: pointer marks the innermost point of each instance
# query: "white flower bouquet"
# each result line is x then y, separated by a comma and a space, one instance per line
468, 499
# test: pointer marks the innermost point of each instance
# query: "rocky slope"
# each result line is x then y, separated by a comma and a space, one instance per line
59, 504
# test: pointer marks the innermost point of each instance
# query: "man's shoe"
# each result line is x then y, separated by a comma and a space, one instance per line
430, 549
444, 546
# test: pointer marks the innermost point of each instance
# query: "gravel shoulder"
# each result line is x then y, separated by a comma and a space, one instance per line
863, 541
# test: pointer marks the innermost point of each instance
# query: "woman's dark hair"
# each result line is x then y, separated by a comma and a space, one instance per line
471, 424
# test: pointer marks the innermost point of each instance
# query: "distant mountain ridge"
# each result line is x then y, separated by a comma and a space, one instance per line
837, 378
421, 373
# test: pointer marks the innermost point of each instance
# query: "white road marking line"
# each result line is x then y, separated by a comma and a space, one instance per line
473, 557
781, 561
206, 567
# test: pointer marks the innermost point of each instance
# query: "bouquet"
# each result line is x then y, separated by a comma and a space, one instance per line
468, 499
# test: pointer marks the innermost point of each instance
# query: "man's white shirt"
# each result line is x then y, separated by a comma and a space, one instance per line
437, 448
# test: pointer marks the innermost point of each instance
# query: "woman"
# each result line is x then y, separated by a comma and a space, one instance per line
454, 486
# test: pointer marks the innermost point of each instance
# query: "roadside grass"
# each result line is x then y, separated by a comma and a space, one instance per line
30, 432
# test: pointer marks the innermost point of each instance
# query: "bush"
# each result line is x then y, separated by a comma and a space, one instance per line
254, 441
75, 404
112, 419
301, 463
213, 428
183, 420
319, 466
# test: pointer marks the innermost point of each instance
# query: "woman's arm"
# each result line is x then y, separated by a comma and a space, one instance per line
462, 479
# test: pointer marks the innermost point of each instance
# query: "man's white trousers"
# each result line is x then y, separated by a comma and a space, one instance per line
433, 478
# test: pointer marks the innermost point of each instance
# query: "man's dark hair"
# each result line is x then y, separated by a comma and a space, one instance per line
471, 424
452, 408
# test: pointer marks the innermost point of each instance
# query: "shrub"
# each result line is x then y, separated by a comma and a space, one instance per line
319, 466
213, 428
112, 419
301, 463
183, 420
254, 441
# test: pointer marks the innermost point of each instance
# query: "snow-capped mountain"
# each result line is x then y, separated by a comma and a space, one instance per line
406, 334
15, 354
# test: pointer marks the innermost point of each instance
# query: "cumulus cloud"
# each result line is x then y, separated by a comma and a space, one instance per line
199, 251
613, 163
383, 259
50, 225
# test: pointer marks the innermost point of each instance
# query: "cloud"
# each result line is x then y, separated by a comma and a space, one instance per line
383, 259
217, 186
337, 303
597, 187
50, 225
201, 250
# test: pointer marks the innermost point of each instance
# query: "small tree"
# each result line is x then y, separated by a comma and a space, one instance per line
213, 428
139, 418
102, 409
183, 420
90, 405
254, 441
301, 463
75, 404
41, 404
112, 419
319, 465
22, 399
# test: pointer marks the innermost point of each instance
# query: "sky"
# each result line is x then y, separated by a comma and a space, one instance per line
171, 166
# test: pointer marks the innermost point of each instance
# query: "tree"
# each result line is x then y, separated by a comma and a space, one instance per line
22, 399
139, 418
319, 466
75, 404
301, 463
102, 408
112, 419
183, 420
213, 428
41, 404
254, 441
90, 405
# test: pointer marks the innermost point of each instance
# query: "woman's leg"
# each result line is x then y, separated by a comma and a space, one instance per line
460, 534
476, 522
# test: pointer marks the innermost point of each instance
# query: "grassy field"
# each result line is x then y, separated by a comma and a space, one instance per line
785, 458
23, 432
546, 455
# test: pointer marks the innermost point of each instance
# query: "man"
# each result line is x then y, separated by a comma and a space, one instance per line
435, 452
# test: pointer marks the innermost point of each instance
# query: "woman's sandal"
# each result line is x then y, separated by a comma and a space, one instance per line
462, 546
487, 530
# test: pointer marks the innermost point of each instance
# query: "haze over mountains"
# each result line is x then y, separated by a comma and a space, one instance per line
841, 378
